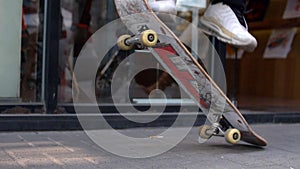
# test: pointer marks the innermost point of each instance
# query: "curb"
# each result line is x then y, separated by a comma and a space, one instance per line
65, 122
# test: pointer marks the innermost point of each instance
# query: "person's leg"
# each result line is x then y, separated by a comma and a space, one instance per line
237, 3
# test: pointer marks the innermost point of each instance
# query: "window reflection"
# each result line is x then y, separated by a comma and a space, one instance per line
31, 53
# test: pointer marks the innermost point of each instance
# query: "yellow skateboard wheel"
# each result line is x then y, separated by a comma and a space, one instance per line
122, 42
232, 136
149, 38
204, 132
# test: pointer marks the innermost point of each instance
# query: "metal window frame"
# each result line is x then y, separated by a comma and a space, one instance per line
52, 32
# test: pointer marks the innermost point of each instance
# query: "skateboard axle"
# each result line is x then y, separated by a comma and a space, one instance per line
132, 40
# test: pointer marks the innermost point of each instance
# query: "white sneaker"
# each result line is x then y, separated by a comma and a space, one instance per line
220, 21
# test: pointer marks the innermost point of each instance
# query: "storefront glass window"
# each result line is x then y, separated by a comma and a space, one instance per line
82, 18
32, 51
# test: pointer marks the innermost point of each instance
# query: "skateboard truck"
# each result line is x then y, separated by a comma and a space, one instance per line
147, 38
231, 135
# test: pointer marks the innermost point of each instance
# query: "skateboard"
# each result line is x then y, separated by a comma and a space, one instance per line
223, 118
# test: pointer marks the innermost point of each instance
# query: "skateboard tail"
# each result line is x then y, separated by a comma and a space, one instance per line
251, 137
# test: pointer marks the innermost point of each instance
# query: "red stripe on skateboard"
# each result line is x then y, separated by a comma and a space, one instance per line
184, 76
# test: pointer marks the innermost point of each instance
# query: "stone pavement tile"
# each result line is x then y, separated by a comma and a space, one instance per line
261, 160
122, 164
41, 163
4, 156
32, 159
270, 167
213, 164
80, 163
173, 161
282, 137
9, 165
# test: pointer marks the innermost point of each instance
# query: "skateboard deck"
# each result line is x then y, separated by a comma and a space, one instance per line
187, 72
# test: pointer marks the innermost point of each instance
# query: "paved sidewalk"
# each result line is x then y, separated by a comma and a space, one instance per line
75, 150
